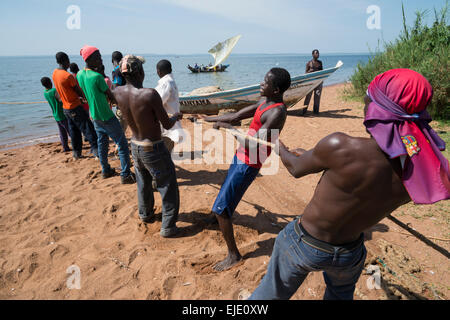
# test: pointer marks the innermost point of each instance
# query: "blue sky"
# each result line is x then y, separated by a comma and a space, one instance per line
38, 27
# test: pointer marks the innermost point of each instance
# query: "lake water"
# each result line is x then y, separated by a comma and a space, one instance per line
23, 124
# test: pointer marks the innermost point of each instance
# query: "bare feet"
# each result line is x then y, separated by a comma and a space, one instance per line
229, 262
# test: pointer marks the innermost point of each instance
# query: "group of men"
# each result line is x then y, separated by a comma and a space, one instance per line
363, 181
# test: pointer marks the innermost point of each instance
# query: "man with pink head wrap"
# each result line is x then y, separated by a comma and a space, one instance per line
363, 181
396, 118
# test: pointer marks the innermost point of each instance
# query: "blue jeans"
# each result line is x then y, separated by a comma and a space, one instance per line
154, 163
292, 259
63, 127
111, 128
240, 176
78, 122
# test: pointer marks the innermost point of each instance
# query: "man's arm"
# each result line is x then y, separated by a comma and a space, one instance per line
154, 99
57, 96
301, 162
308, 67
272, 120
74, 84
111, 97
103, 87
245, 113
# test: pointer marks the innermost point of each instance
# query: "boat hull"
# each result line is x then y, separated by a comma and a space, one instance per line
240, 98
199, 70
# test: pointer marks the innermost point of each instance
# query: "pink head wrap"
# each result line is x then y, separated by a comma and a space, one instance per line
397, 120
87, 51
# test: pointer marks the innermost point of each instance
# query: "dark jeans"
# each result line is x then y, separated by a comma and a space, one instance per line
79, 122
111, 128
63, 128
292, 259
154, 163
317, 93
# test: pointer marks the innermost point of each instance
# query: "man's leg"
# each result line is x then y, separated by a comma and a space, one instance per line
62, 125
103, 146
306, 102
161, 167
317, 94
238, 179
286, 270
233, 257
144, 187
114, 130
341, 283
87, 128
75, 134
170, 197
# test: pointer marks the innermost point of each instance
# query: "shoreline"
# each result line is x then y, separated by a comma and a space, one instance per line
35, 140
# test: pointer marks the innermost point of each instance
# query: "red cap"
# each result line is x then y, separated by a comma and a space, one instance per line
86, 51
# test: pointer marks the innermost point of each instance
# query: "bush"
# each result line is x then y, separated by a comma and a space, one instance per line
420, 48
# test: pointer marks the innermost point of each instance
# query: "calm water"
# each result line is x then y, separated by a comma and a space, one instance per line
32, 123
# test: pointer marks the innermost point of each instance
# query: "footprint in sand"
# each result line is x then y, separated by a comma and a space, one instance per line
58, 252
155, 294
168, 286
135, 254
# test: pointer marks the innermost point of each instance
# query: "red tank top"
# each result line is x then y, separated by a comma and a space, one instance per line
256, 160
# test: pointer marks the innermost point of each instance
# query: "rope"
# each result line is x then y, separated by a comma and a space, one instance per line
429, 237
236, 132
29, 102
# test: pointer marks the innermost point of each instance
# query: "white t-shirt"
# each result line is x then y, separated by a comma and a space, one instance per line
168, 90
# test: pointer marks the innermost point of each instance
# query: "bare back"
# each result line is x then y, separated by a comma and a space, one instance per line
359, 187
142, 109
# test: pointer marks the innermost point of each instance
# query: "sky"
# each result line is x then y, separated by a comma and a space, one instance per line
39, 27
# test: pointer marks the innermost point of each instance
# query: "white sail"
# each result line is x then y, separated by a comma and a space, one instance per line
222, 50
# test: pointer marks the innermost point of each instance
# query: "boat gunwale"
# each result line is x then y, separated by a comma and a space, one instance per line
220, 94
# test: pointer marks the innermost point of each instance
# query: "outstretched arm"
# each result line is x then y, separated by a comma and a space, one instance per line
301, 162
244, 113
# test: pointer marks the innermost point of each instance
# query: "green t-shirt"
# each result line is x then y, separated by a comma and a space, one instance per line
94, 87
56, 105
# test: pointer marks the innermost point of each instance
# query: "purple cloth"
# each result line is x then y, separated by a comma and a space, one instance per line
390, 119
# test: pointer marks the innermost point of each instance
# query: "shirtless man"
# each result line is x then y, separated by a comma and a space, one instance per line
269, 116
143, 111
364, 180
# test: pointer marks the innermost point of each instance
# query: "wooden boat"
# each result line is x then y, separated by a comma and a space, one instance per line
242, 97
219, 68
220, 53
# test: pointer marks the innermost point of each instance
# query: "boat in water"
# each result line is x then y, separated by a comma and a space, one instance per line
198, 69
237, 99
220, 52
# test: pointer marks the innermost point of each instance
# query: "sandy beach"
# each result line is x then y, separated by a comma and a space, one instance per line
56, 212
